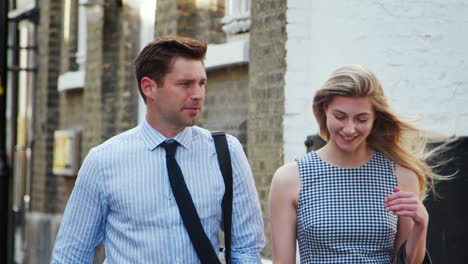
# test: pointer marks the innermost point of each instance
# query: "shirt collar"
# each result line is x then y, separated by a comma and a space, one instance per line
154, 138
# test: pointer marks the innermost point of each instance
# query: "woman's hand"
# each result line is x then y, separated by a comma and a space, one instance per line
412, 215
403, 203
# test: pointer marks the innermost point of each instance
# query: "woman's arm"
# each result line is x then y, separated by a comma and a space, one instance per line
284, 194
413, 217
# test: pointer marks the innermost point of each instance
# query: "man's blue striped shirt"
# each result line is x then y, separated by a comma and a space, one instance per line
122, 197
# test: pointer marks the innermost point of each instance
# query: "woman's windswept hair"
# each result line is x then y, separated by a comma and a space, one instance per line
389, 134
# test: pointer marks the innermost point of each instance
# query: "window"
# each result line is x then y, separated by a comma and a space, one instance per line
236, 22
74, 43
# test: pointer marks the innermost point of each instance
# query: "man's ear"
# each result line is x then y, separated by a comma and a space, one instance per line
148, 87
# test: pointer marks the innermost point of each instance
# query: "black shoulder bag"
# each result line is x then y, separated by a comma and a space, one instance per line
197, 235
224, 160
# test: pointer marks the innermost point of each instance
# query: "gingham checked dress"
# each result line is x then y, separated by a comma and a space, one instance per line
341, 215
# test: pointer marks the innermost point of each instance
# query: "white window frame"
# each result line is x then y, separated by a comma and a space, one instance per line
237, 18
236, 24
76, 79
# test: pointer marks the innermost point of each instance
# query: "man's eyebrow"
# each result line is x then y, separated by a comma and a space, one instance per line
189, 80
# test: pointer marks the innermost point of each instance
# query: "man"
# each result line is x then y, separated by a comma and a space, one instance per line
122, 195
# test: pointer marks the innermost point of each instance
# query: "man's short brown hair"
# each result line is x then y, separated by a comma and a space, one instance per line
155, 60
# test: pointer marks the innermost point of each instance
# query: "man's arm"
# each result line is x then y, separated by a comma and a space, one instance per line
81, 229
247, 222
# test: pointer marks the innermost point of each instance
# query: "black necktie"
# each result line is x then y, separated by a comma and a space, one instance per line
200, 241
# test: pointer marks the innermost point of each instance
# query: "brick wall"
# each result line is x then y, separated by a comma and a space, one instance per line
190, 18
225, 100
107, 105
43, 186
166, 18
266, 93
127, 89
92, 101
208, 22
69, 43
46, 114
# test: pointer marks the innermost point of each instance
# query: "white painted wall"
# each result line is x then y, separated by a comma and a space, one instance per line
147, 19
418, 49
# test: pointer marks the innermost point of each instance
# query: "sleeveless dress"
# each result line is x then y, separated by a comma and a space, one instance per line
341, 215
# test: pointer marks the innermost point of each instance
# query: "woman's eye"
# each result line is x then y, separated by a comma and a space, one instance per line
362, 120
339, 117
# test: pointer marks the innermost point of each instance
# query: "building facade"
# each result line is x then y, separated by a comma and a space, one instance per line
73, 87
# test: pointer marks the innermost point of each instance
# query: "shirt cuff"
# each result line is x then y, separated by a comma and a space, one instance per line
245, 258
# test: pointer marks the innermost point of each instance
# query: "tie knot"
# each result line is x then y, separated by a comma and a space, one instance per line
170, 146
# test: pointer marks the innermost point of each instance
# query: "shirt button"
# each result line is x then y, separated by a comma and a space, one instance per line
169, 197
177, 260
173, 228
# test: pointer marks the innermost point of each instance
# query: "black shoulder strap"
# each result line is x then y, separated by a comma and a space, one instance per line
224, 160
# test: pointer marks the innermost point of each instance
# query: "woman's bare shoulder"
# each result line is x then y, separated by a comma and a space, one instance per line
407, 179
287, 174
286, 182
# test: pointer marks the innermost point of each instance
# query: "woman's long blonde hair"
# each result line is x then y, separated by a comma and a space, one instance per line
389, 133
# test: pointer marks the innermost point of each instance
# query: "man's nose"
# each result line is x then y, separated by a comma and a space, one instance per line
198, 92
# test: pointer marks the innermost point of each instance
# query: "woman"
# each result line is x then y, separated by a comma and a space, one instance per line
358, 198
